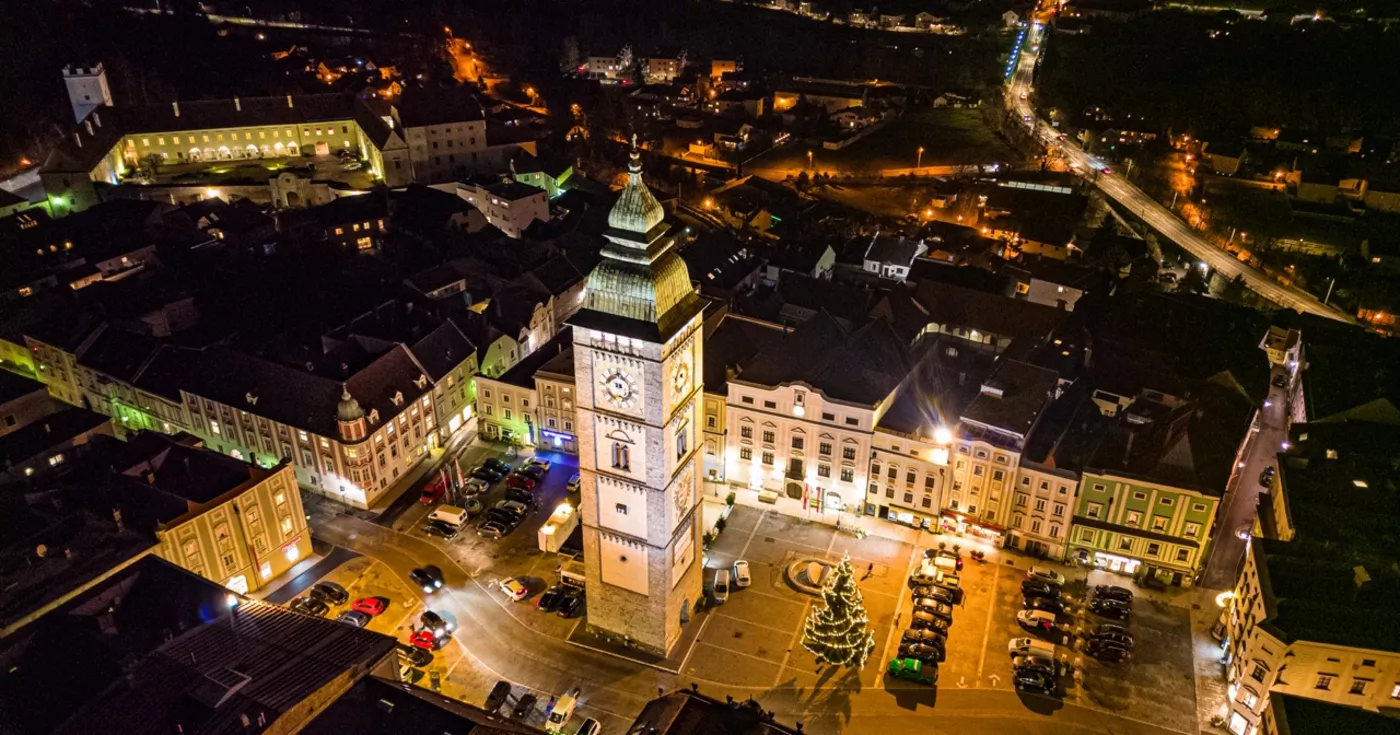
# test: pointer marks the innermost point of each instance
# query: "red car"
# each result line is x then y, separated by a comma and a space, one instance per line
520, 481
369, 605
433, 492
425, 640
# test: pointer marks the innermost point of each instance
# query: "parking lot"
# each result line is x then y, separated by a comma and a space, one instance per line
754, 639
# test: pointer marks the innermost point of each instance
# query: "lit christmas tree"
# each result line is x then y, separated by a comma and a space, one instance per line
838, 633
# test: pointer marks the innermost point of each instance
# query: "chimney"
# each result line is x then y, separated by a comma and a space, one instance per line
289, 101
237, 105
88, 125
117, 516
78, 138
97, 118
47, 429
176, 107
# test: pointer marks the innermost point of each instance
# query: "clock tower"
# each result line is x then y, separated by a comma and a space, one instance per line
637, 362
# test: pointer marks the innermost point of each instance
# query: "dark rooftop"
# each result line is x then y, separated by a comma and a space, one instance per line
423, 106
1341, 489
14, 386
732, 344
25, 443
1295, 715
380, 706
263, 663
936, 391
1012, 398
691, 713
861, 366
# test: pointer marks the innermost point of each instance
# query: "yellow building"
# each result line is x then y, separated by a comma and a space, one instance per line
241, 525
1312, 616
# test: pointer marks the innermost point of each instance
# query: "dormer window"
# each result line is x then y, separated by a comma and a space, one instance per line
374, 416
398, 398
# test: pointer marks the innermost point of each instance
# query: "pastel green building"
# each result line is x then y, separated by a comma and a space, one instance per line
1129, 524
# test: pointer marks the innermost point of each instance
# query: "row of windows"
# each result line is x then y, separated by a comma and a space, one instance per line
262, 135
773, 406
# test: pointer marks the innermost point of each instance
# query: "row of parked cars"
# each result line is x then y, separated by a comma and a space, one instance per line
524, 705
934, 588
1036, 668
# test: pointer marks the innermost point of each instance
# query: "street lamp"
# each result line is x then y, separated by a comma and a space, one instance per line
809, 159
919, 162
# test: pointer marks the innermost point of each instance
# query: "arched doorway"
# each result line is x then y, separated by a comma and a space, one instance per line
224, 153
291, 149
210, 154
323, 148
252, 151
195, 154
280, 149
293, 200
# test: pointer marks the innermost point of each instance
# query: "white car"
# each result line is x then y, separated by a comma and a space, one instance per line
575, 482
541, 463
514, 588
722, 586
1045, 574
1030, 647
1037, 619
475, 486
560, 715
742, 578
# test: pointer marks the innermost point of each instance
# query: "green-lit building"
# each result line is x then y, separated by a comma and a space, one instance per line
1152, 479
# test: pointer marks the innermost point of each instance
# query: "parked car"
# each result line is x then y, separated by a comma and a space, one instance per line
1111, 608
912, 669
722, 586
937, 593
1266, 478
1030, 646
492, 530
1038, 573
432, 492
1112, 628
1036, 663
1036, 619
415, 656
940, 609
575, 482
498, 696
353, 617
927, 621
497, 464
742, 577
437, 622
1113, 592
524, 706
530, 471
1039, 589
1117, 639
521, 495
590, 726
520, 481
541, 463
424, 639
916, 635
1105, 650
486, 474
1279, 381
954, 556
549, 599
560, 715
923, 652
508, 518
475, 486
429, 578
370, 606
309, 606
514, 506
446, 531
1054, 607
919, 579
514, 588
571, 605
1035, 682
330, 593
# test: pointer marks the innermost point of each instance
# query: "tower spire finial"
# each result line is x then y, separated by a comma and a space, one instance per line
634, 166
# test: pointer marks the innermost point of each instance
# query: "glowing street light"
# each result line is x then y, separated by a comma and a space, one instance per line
919, 162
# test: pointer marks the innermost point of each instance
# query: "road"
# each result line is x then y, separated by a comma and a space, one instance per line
1242, 498
1144, 206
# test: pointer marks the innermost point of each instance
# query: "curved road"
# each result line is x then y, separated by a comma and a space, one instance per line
620, 688
1144, 206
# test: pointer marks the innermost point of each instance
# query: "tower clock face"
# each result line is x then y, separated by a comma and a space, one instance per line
680, 378
619, 387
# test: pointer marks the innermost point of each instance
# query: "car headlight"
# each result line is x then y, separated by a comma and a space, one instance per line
427, 588
437, 583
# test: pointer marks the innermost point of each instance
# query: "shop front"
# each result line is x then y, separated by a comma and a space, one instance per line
559, 441
961, 525
902, 516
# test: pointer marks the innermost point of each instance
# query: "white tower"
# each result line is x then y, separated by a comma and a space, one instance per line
87, 89
637, 361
